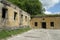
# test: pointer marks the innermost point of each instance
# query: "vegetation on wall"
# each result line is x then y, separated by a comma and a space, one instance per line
33, 7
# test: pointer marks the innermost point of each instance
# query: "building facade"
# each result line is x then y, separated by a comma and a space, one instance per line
25, 18
47, 22
12, 17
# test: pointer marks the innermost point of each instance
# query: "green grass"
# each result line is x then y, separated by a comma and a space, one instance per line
6, 33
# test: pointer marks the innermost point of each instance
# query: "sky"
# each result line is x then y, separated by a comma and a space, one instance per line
51, 6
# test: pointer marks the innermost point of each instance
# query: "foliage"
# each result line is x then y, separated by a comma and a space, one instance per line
33, 7
8, 33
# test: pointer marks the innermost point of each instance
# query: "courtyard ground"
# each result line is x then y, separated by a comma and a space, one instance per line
38, 34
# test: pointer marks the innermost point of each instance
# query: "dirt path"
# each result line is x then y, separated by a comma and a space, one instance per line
38, 34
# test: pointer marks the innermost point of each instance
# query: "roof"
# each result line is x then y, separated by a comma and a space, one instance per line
7, 3
36, 16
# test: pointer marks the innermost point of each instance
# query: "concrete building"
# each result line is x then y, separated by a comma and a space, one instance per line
47, 22
12, 17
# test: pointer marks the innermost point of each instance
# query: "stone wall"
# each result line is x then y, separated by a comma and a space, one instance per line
25, 19
48, 20
13, 18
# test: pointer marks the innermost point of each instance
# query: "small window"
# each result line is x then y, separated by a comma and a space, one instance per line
21, 16
15, 14
43, 18
25, 18
52, 24
4, 11
36, 24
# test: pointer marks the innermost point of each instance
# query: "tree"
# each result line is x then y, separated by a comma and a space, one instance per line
33, 7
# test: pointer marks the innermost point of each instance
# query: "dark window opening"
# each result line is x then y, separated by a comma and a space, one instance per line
52, 24
43, 18
21, 16
36, 24
15, 14
25, 18
4, 11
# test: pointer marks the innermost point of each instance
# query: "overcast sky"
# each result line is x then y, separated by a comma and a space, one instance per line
51, 6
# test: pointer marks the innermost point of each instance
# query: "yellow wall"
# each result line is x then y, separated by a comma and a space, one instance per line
56, 21
10, 17
9, 20
25, 21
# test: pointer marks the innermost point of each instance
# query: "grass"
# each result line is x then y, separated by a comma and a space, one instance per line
6, 33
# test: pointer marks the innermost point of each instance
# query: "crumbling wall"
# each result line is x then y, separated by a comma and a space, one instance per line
12, 18
1, 19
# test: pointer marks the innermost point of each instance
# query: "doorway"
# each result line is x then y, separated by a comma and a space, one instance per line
44, 25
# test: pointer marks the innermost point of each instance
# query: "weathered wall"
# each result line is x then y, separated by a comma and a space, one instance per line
56, 21
25, 19
10, 22
1, 21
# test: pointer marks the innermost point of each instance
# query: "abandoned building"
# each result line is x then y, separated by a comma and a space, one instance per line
46, 22
12, 17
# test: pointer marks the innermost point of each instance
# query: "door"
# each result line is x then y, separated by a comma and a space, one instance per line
43, 24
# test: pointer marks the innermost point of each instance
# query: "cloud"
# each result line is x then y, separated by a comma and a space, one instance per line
47, 12
49, 3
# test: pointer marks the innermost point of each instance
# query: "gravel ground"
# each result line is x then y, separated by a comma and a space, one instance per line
38, 34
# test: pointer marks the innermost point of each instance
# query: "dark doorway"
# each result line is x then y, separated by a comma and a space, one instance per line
43, 24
